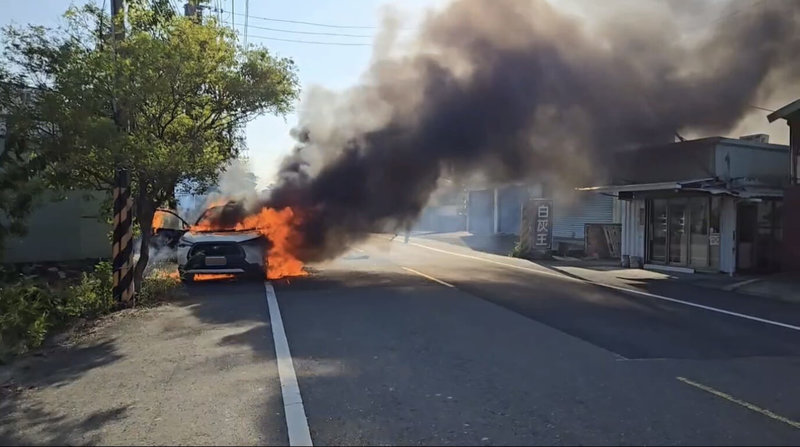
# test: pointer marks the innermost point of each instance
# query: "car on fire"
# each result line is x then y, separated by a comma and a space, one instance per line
207, 247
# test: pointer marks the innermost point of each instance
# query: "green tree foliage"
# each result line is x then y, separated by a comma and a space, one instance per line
19, 167
167, 102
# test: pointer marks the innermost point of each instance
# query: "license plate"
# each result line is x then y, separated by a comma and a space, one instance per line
216, 261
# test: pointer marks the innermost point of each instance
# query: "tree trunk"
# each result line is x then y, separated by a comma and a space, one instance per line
145, 211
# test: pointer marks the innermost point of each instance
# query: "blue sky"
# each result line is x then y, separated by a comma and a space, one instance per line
335, 67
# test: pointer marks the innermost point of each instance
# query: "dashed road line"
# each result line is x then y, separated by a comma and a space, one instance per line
428, 277
621, 289
743, 403
296, 421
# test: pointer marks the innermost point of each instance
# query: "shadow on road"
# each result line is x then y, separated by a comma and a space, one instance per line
23, 417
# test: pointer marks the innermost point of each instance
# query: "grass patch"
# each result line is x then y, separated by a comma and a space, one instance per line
159, 287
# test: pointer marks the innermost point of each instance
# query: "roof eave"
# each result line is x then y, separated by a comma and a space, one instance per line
785, 112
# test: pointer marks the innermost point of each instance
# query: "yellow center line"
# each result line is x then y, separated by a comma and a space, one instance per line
745, 404
428, 277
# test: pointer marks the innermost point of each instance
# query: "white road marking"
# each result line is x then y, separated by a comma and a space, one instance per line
743, 403
519, 267
621, 289
296, 422
429, 277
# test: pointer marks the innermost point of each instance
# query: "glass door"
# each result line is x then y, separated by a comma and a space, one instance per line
698, 233
678, 238
658, 230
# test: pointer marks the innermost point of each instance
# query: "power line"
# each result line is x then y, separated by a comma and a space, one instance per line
308, 32
346, 44
300, 22
761, 108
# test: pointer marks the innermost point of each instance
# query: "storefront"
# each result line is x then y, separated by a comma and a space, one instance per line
700, 225
684, 231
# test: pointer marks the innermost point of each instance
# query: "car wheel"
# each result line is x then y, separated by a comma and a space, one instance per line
186, 277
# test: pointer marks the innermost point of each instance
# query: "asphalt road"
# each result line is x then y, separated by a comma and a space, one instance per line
426, 343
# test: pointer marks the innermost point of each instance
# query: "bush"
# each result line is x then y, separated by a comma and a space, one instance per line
516, 252
30, 309
27, 311
91, 297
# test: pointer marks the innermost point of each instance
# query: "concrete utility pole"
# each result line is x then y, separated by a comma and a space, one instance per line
246, 16
122, 242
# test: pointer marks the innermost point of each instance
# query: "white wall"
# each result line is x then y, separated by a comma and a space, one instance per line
67, 230
631, 214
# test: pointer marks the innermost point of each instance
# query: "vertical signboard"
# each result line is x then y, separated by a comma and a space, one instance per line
536, 236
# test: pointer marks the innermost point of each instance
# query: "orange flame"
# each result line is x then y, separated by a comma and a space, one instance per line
158, 220
211, 276
278, 227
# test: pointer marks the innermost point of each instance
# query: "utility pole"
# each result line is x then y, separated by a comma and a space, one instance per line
122, 242
246, 16
233, 14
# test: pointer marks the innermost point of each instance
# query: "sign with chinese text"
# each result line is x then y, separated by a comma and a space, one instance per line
537, 235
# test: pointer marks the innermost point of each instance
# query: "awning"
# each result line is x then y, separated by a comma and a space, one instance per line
707, 185
659, 186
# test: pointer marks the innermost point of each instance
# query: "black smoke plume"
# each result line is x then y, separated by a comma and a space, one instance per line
516, 89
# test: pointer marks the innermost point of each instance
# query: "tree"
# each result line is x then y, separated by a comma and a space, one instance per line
185, 90
19, 167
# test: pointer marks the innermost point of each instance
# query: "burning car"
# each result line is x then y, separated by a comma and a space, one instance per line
211, 248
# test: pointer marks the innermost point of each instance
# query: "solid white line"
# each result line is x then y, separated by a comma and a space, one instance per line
296, 422
622, 289
491, 261
743, 403
429, 277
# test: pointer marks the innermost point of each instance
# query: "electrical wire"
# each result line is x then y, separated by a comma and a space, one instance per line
300, 22
308, 32
344, 44
761, 108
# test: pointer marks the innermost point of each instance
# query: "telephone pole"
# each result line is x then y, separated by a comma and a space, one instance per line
122, 240
246, 16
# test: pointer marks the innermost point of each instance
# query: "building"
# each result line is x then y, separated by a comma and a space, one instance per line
791, 199
58, 229
498, 210
712, 204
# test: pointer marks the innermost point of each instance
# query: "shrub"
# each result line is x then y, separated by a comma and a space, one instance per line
27, 312
91, 297
30, 309
516, 252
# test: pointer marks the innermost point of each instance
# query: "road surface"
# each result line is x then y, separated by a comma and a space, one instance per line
425, 343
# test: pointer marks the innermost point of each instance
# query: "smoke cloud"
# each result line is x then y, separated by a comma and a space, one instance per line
516, 89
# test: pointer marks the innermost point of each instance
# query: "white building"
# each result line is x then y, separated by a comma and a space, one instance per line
712, 204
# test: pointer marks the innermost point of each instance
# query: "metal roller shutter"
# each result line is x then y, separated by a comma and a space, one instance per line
568, 222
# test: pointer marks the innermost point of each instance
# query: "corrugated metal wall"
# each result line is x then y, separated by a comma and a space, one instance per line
569, 221
480, 212
510, 200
